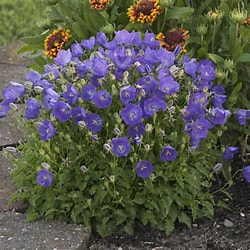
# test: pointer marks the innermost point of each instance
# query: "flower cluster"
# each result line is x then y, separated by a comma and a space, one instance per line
134, 78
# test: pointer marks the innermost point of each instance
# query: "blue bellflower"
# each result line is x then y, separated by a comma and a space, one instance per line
168, 153
144, 169
230, 152
88, 91
71, 95
153, 105
136, 130
168, 85
62, 111
127, 94
63, 57
242, 116
44, 178
32, 108
46, 130
246, 173
78, 114
102, 99
93, 122
131, 114
120, 146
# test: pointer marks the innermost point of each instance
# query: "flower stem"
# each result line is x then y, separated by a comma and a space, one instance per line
165, 18
213, 37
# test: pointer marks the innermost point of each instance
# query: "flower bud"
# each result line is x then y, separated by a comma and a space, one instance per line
107, 147
214, 16
237, 15
13, 106
152, 176
117, 131
108, 29
84, 169
166, 3
11, 149
38, 89
217, 167
202, 29
229, 64
112, 178
148, 127
82, 124
147, 147
45, 165
221, 74
28, 84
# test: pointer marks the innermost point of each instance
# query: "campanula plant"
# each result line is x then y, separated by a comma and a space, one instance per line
119, 131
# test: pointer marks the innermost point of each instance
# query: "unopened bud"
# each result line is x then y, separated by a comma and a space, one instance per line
45, 165
11, 149
148, 127
38, 89
107, 147
229, 64
238, 16
82, 124
215, 15
166, 3
84, 169
202, 29
13, 106
108, 29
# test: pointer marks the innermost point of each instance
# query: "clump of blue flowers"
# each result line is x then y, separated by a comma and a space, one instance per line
120, 131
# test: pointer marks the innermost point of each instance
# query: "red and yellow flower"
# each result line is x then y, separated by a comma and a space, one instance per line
246, 22
173, 38
55, 41
98, 4
144, 11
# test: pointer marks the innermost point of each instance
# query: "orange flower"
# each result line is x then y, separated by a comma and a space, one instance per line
144, 11
55, 42
173, 38
98, 4
246, 22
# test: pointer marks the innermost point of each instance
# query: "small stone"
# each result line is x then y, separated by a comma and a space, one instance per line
242, 215
228, 223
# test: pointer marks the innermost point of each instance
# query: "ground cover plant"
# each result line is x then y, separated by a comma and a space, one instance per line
120, 116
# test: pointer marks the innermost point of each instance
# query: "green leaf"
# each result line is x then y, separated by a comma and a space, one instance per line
216, 58
32, 216
139, 198
169, 226
235, 94
184, 218
179, 12
179, 179
245, 57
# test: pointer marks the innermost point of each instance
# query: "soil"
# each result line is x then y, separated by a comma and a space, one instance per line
229, 229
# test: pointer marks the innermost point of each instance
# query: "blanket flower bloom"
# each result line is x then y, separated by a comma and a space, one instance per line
56, 41
98, 4
173, 38
144, 11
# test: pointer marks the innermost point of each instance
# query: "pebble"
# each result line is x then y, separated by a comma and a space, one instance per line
228, 223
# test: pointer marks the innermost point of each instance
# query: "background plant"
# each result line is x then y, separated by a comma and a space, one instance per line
20, 19
220, 31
